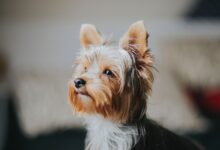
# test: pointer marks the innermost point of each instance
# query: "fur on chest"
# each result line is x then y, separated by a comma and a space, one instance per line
104, 134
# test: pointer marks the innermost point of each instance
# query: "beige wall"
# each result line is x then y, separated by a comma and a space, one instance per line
101, 10
43, 34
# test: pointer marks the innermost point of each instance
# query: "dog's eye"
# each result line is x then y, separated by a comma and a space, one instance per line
108, 72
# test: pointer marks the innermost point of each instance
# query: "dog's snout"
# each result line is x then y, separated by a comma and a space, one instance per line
79, 82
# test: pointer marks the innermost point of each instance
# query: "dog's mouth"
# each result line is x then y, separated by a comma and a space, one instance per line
81, 92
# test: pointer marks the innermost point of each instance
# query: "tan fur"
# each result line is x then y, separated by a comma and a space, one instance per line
77, 104
89, 36
136, 35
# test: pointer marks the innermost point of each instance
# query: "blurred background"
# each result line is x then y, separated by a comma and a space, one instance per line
39, 40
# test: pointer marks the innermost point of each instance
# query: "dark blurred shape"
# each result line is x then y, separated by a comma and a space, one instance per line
205, 9
72, 139
3, 66
3, 97
207, 100
211, 101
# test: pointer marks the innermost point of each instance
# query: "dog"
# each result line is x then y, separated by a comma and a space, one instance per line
110, 87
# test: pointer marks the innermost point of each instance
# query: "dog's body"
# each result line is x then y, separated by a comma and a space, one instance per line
110, 88
159, 138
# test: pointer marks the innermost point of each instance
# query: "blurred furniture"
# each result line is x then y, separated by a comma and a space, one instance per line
68, 139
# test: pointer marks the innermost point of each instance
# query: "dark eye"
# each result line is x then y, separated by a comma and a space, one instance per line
108, 72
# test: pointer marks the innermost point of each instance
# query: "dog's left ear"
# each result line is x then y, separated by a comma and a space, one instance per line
136, 37
89, 36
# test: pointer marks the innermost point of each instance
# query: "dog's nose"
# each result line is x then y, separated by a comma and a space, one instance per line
79, 82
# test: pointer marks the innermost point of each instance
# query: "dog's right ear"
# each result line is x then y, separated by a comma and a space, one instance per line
89, 36
137, 37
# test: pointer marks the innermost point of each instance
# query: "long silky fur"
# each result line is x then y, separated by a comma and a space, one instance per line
140, 79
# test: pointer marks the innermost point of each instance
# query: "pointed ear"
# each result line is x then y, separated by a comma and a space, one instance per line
89, 36
136, 36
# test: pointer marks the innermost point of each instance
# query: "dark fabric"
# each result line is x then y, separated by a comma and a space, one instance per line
159, 138
205, 9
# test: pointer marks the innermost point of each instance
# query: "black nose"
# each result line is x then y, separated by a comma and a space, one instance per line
79, 82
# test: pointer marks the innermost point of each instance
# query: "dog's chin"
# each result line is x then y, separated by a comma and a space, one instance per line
83, 97
81, 101
89, 102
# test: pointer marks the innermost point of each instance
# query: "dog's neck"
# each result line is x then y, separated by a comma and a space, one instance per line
104, 134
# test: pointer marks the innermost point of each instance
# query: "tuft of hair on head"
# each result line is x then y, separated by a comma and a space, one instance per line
140, 77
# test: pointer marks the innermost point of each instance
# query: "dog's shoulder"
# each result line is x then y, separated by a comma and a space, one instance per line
158, 138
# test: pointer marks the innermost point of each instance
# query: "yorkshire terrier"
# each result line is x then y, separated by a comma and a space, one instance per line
110, 87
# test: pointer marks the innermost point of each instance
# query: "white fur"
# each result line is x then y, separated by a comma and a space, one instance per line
118, 56
103, 134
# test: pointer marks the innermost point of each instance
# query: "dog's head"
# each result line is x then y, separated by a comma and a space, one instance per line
112, 81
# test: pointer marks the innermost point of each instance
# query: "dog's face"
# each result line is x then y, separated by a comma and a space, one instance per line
112, 81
